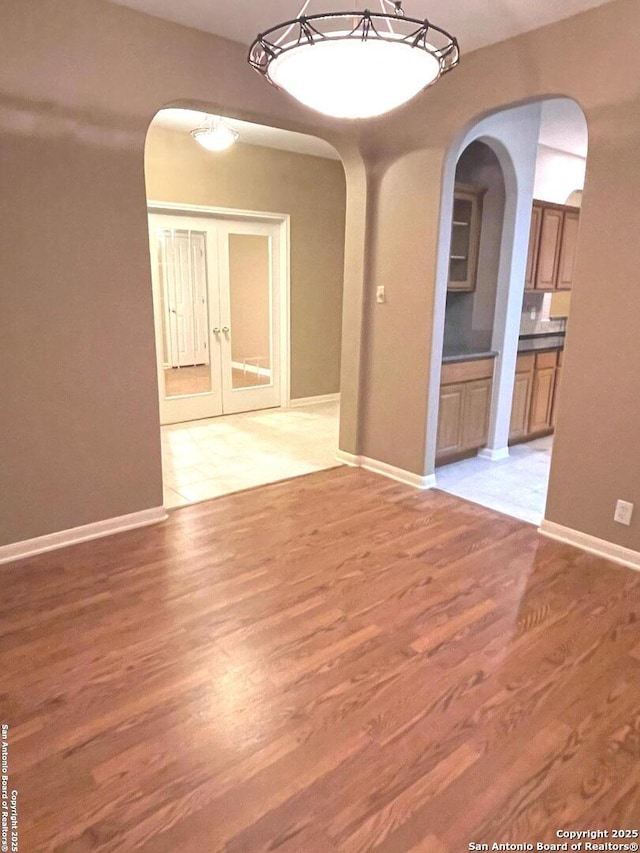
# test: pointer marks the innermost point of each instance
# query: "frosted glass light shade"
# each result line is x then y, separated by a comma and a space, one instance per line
215, 135
354, 78
354, 65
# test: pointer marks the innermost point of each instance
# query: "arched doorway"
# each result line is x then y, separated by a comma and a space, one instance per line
247, 250
499, 363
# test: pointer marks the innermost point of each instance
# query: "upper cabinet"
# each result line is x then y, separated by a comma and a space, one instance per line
465, 237
549, 249
534, 240
567, 260
552, 246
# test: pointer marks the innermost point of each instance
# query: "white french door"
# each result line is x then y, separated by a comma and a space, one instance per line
216, 288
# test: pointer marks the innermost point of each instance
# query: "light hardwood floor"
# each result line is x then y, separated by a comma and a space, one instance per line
333, 663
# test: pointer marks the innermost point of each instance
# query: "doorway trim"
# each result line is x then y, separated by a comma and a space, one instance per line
284, 222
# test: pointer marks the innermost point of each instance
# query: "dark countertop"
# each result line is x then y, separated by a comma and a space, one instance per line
540, 343
475, 350
450, 357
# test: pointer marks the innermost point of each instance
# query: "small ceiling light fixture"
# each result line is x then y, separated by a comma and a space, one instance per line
214, 134
354, 64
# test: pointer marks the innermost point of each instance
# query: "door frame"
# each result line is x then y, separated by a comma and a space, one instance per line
284, 222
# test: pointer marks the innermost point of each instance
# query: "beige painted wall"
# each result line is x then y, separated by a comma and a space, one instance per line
312, 191
594, 458
79, 82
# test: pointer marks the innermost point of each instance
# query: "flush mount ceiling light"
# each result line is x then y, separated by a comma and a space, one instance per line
214, 134
354, 64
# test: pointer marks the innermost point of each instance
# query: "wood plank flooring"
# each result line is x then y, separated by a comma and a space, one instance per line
332, 663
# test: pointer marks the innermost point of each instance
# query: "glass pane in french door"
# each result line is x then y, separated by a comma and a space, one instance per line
250, 308
184, 308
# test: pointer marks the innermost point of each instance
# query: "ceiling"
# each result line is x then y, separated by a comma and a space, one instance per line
252, 134
563, 126
475, 22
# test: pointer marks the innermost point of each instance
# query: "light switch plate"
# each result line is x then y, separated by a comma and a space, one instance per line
380, 297
623, 513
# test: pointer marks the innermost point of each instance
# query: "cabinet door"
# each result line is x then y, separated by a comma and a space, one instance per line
519, 425
556, 390
542, 399
549, 249
475, 415
534, 241
465, 241
449, 419
568, 248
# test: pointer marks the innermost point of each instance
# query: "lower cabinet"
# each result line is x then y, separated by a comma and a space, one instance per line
544, 380
465, 404
475, 413
534, 396
519, 426
450, 420
554, 412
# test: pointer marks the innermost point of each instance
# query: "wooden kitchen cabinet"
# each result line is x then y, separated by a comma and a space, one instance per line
542, 400
549, 249
534, 396
534, 240
449, 420
475, 414
519, 425
553, 240
556, 391
465, 237
465, 405
567, 259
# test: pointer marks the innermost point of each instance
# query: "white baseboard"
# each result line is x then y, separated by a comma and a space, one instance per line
52, 541
398, 474
591, 544
494, 455
308, 401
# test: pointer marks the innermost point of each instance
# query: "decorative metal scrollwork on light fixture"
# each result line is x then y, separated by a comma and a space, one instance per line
354, 64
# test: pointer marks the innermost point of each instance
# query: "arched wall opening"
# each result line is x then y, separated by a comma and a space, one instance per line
522, 141
247, 260
470, 313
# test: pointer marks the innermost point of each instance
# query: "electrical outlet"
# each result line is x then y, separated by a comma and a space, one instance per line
380, 297
623, 513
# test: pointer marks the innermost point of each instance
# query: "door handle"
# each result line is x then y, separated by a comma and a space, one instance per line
226, 329
216, 330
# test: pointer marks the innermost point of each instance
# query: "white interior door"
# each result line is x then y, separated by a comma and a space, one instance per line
185, 294
249, 259
216, 287
184, 251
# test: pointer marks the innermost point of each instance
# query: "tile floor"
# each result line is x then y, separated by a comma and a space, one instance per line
204, 459
516, 486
